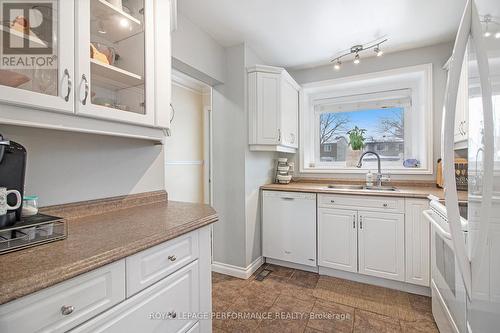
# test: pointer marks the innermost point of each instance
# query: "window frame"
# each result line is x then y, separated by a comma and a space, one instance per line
418, 79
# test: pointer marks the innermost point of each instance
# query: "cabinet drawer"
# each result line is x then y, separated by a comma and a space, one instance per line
362, 202
152, 265
159, 308
89, 294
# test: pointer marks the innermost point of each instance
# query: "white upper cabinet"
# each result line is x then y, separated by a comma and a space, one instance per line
37, 68
273, 103
115, 59
105, 62
462, 107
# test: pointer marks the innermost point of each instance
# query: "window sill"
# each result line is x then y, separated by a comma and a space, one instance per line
416, 171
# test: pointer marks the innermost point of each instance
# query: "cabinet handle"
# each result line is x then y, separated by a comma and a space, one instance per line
70, 84
279, 135
332, 201
172, 258
173, 113
360, 222
86, 82
385, 205
67, 310
172, 314
354, 221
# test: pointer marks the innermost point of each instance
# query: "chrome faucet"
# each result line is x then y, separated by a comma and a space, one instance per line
379, 172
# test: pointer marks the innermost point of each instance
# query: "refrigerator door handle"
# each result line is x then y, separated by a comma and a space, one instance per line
448, 145
470, 25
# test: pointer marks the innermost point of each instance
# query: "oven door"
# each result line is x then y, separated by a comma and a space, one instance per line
448, 290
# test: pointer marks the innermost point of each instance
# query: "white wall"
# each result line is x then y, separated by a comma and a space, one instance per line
259, 170
196, 53
66, 167
238, 172
437, 55
184, 149
229, 139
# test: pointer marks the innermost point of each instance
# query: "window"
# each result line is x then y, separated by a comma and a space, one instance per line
393, 111
384, 133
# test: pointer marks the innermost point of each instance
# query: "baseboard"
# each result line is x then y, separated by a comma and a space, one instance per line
398, 285
236, 271
288, 264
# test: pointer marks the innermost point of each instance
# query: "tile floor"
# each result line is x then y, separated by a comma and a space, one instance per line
290, 300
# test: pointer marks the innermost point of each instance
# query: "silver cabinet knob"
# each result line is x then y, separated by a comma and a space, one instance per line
172, 258
67, 310
332, 201
172, 314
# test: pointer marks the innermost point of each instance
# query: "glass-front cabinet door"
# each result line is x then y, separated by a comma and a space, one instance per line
37, 54
115, 60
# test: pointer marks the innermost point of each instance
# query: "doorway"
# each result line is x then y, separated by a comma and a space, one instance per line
188, 148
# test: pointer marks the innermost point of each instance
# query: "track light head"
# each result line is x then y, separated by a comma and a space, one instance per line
356, 59
337, 65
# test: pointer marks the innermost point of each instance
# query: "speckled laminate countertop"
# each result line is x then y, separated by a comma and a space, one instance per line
96, 240
405, 191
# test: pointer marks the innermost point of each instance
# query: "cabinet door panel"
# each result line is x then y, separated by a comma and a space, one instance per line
115, 61
268, 108
417, 235
381, 245
289, 114
37, 63
337, 239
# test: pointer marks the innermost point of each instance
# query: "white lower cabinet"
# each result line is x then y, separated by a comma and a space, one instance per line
67, 304
417, 236
156, 309
168, 285
338, 239
381, 245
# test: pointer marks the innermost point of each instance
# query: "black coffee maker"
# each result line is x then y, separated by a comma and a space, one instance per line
12, 173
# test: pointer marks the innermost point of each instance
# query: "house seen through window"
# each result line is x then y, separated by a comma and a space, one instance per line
383, 132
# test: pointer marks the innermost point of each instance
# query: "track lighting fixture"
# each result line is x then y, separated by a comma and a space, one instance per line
357, 50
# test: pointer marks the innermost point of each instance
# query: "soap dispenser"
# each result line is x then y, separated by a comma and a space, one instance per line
369, 178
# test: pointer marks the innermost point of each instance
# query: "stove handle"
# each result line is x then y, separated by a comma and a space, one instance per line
443, 233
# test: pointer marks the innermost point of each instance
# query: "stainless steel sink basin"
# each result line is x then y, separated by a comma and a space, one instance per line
361, 187
346, 187
380, 188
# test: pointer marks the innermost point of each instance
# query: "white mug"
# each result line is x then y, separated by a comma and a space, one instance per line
4, 206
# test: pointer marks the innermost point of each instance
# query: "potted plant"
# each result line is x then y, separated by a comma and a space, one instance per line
356, 144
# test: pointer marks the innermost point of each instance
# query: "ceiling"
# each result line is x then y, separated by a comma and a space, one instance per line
304, 33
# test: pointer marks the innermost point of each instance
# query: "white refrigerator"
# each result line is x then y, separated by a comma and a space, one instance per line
477, 251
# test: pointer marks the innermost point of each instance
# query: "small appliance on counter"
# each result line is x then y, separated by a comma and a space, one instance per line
284, 171
461, 174
21, 225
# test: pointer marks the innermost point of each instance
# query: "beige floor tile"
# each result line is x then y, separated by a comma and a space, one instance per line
366, 297
280, 271
421, 326
331, 317
304, 279
368, 322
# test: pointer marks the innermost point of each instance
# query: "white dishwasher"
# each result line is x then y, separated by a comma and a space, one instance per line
289, 226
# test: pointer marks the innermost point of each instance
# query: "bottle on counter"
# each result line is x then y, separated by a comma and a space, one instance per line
369, 178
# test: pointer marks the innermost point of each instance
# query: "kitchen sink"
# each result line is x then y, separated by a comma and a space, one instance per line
362, 187
346, 187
